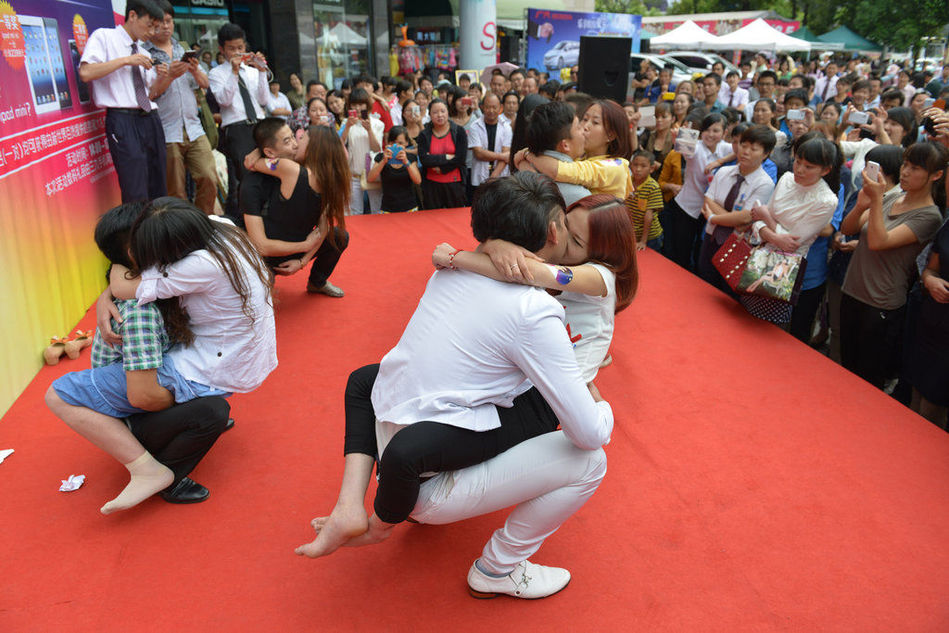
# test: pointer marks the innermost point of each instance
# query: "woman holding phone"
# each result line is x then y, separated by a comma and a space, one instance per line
362, 135
395, 168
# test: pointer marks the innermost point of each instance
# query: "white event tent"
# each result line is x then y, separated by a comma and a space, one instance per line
688, 35
759, 36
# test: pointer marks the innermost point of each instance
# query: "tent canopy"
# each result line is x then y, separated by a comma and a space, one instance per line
851, 41
759, 36
688, 35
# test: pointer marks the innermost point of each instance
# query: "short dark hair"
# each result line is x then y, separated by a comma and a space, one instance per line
547, 125
710, 120
516, 71
732, 73
166, 9
230, 32
716, 77
643, 153
798, 93
861, 84
549, 89
113, 230
768, 74
463, 76
364, 79
518, 209
143, 8
892, 93
359, 95
760, 135
265, 130
816, 149
314, 82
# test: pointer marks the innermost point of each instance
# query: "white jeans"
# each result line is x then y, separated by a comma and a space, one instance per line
355, 200
547, 477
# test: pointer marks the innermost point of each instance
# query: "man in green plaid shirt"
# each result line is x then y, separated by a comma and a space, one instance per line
144, 339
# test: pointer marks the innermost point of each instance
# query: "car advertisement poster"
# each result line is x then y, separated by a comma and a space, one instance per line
553, 37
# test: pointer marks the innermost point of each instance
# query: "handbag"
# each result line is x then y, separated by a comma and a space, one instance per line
364, 183
773, 273
206, 117
731, 259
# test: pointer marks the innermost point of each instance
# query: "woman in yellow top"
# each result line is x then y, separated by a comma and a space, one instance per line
606, 166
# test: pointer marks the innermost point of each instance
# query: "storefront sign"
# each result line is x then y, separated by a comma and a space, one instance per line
553, 37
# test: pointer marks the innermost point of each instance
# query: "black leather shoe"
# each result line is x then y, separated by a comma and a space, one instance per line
185, 491
229, 425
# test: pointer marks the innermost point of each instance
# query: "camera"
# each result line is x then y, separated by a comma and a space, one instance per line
795, 115
859, 118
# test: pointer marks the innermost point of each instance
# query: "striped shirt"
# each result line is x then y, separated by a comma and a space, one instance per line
646, 196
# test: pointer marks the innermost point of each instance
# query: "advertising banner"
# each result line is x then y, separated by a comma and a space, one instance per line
553, 37
478, 27
56, 178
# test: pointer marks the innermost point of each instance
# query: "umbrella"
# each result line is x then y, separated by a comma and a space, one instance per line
505, 67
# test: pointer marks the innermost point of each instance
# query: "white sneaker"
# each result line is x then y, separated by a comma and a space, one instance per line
528, 581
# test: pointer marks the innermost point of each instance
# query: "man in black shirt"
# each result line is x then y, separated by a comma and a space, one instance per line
289, 231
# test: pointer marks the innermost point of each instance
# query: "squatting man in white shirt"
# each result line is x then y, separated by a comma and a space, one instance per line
464, 409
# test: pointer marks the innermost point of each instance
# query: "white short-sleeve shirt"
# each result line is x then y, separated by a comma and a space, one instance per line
116, 89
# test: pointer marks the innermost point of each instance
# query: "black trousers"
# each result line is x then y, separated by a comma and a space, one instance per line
802, 317
443, 195
430, 446
870, 340
180, 436
237, 141
137, 145
325, 260
681, 235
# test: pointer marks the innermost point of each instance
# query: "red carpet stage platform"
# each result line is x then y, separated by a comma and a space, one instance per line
753, 486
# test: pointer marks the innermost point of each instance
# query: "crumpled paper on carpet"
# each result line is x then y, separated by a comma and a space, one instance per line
73, 483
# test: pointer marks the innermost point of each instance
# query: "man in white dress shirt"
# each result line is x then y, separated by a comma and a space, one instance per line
242, 92
472, 349
121, 72
490, 142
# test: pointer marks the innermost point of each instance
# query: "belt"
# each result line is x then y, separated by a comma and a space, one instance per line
135, 111
247, 122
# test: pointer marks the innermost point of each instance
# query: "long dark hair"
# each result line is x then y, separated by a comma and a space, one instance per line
519, 131
112, 237
932, 157
169, 229
612, 242
326, 158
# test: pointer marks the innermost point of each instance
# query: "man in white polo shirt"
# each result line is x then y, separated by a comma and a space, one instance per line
121, 72
242, 91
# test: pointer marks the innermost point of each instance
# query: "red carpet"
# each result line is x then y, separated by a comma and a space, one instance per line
753, 485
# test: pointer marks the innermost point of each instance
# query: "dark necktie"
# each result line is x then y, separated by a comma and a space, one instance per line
823, 96
249, 112
141, 95
733, 193
731, 100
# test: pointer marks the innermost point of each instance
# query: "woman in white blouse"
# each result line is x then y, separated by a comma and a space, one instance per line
362, 135
801, 206
224, 286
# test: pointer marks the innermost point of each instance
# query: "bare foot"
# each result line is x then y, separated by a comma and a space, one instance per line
369, 537
335, 530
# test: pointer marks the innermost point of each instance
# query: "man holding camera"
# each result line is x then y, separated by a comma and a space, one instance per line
121, 72
186, 144
241, 89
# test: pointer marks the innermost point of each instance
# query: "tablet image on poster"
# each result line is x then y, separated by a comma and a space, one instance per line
553, 37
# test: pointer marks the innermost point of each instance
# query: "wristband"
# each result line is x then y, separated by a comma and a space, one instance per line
451, 259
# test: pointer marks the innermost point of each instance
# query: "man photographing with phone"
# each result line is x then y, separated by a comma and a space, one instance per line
186, 144
241, 89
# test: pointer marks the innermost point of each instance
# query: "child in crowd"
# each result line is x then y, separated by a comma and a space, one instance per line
645, 203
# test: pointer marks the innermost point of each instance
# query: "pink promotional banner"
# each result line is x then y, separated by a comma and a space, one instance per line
56, 178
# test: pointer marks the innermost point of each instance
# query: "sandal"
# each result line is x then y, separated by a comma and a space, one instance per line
80, 341
56, 349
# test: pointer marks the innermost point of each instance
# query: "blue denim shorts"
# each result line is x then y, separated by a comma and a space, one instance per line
104, 389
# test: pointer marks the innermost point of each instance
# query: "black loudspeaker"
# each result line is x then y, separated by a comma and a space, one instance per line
604, 66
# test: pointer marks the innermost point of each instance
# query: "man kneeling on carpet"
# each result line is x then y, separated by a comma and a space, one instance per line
295, 212
455, 397
224, 339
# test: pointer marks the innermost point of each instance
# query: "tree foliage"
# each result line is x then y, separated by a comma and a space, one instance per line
897, 24
636, 7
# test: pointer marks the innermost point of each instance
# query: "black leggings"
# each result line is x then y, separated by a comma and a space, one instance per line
431, 446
